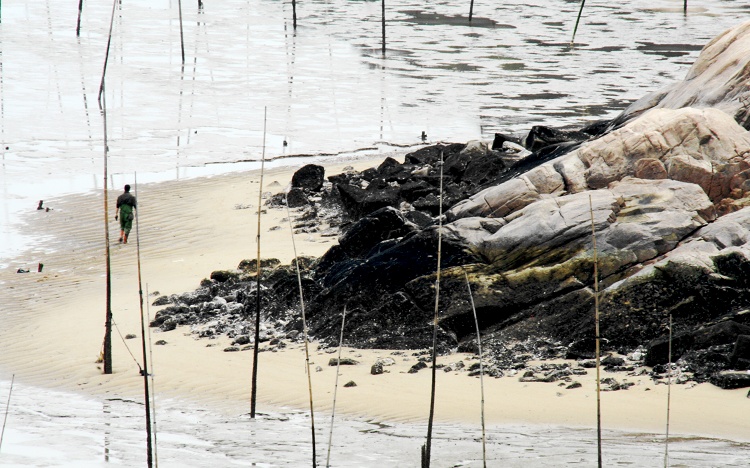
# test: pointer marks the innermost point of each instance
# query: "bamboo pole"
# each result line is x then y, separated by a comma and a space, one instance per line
684, 7
78, 25
382, 22
305, 334
144, 369
427, 447
471, 11
106, 59
669, 394
182, 38
254, 386
481, 370
107, 346
294, 14
7, 408
335, 389
153, 385
598, 349
572, 39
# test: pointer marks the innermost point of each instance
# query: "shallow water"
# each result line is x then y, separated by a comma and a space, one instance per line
325, 87
47, 428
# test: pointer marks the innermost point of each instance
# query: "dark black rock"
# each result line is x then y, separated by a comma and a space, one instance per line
350, 383
309, 177
342, 362
359, 202
296, 198
701, 338
612, 361
540, 137
241, 340
731, 380
252, 265
377, 369
223, 276
417, 367
431, 154
740, 358
160, 301
385, 223
582, 349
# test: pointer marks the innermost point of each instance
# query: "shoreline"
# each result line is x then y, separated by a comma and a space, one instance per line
192, 227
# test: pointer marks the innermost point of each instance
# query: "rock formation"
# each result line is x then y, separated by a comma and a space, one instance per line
663, 190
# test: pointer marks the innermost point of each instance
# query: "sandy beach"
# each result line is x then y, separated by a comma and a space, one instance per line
53, 325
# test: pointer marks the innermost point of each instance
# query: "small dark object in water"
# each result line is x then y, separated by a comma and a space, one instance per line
424, 136
40, 205
40, 267
21, 270
285, 143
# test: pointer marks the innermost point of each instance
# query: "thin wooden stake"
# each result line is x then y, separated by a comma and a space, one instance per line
382, 22
335, 389
254, 387
471, 10
669, 395
107, 345
598, 349
481, 369
7, 408
106, 59
684, 7
428, 444
182, 38
304, 332
153, 384
78, 25
144, 369
294, 14
572, 39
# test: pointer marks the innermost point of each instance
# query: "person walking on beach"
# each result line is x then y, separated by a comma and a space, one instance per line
125, 207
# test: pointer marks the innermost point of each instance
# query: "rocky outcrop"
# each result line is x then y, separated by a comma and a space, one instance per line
645, 217
704, 147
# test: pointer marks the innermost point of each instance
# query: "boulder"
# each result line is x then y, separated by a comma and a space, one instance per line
541, 137
296, 198
309, 177
740, 357
731, 380
702, 338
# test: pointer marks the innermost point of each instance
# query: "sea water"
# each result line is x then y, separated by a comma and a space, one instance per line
49, 428
323, 89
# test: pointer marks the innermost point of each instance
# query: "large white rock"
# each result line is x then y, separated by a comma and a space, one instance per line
635, 220
702, 146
